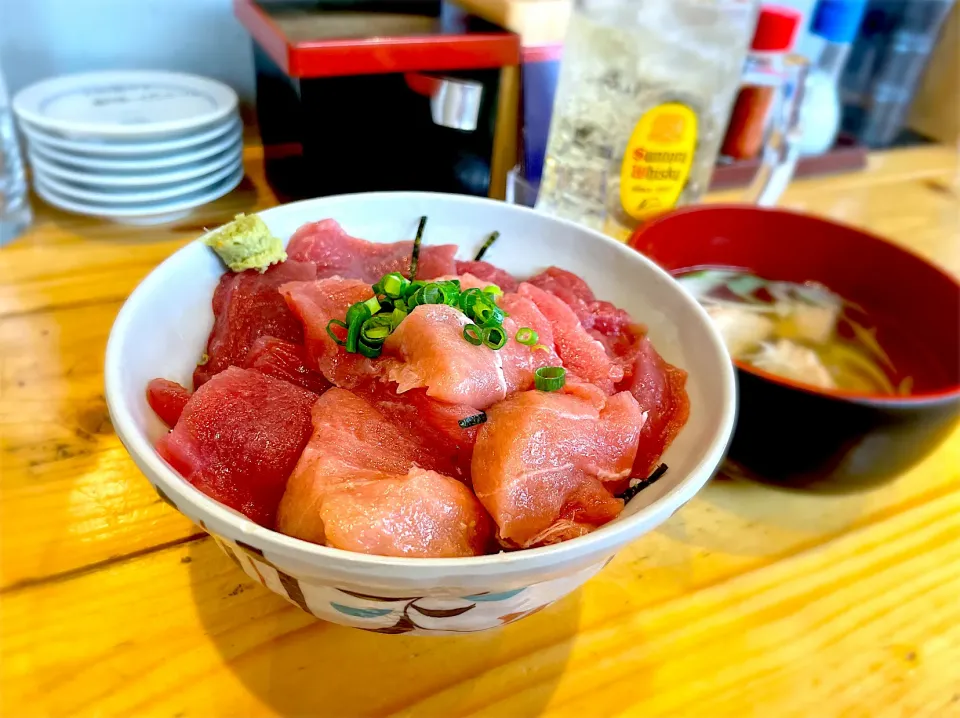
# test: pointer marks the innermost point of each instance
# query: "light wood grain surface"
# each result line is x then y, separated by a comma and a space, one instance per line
751, 601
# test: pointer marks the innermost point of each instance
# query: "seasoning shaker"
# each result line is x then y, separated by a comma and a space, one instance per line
763, 74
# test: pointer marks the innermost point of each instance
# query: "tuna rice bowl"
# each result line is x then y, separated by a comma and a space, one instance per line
394, 399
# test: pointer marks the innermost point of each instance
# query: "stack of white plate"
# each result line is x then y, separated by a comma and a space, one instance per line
137, 147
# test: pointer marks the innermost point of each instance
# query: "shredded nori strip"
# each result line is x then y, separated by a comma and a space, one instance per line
469, 421
415, 257
641, 485
486, 245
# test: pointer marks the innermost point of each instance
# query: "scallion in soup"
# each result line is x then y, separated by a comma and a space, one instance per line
802, 332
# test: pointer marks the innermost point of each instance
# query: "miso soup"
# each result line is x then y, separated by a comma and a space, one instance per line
801, 332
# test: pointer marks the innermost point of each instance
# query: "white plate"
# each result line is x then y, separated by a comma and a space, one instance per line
137, 164
123, 195
123, 148
147, 213
98, 179
126, 103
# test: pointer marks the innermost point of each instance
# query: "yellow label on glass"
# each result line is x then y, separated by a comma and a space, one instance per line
658, 160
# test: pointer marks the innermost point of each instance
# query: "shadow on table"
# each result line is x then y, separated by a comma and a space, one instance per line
297, 665
745, 518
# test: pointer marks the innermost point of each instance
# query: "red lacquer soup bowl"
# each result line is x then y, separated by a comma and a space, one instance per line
796, 434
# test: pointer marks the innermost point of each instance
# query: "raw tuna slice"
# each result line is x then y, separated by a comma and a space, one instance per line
595, 314
358, 487
611, 326
247, 306
433, 354
521, 361
287, 361
545, 462
581, 353
660, 390
167, 399
239, 438
447, 448
467, 281
316, 303
489, 274
575, 292
336, 253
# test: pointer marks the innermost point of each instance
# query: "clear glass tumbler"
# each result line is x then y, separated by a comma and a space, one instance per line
644, 95
15, 214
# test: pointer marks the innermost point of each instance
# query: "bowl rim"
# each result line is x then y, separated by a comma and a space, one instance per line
946, 395
237, 526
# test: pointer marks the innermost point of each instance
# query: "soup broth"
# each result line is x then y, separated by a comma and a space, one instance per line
801, 332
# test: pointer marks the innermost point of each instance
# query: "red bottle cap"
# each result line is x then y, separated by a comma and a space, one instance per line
776, 29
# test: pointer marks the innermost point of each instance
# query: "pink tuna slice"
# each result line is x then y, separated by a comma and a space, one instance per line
239, 437
336, 253
658, 386
488, 274
167, 399
581, 353
660, 389
287, 361
358, 487
545, 462
433, 421
433, 354
316, 303
247, 306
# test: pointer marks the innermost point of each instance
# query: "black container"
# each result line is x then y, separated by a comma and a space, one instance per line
367, 96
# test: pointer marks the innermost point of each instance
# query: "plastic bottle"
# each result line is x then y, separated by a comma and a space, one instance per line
836, 22
774, 37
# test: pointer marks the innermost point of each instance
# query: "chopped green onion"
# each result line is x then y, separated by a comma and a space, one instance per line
468, 300
373, 304
644, 483
415, 256
432, 294
493, 290
376, 329
539, 348
486, 245
398, 314
527, 336
356, 316
412, 288
473, 334
415, 299
473, 420
494, 337
370, 352
358, 312
393, 285
451, 292
336, 323
550, 378
488, 315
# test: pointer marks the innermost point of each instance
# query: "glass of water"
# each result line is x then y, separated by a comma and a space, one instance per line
15, 215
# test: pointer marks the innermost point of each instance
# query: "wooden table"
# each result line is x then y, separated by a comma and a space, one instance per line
751, 601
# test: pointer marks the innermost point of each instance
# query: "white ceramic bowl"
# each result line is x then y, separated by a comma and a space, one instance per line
162, 329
